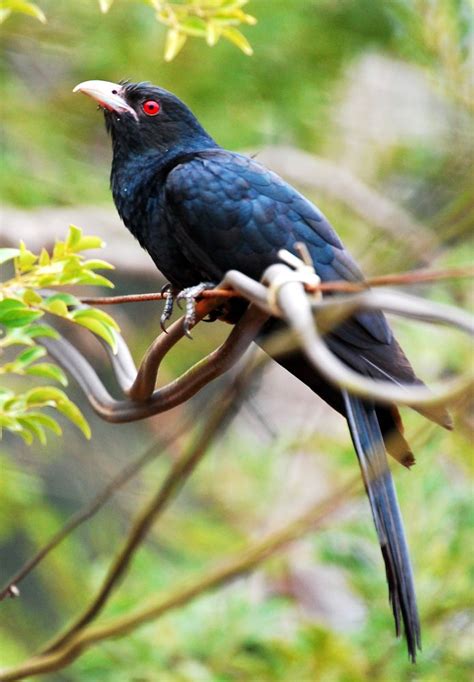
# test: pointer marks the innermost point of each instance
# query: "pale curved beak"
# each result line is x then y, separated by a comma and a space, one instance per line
107, 95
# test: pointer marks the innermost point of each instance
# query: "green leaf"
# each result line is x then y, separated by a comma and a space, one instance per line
44, 395
76, 241
174, 43
9, 423
8, 254
37, 330
22, 7
193, 26
67, 299
105, 5
213, 33
33, 428
235, 36
25, 259
232, 4
44, 259
73, 413
98, 327
11, 304
89, 242
98, 264
47, 280
31, 297
56, 307
46, 421
59, 250
73, 237
96, 314
28, 356
90, 277
48, 371
24, 433
18, 318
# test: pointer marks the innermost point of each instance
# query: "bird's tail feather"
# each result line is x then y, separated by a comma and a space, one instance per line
369, 445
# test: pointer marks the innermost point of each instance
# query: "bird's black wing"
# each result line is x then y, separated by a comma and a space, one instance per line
232, 213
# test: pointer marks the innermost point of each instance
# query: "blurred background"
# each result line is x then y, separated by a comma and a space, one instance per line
367, 107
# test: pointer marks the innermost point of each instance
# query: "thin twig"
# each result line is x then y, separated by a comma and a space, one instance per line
405, 278
240, 564
173, 482
123, 477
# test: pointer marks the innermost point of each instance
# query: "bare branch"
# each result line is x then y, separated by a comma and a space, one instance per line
173, 482
144, 401
296, 308
87, 512
293, 293
404, 278
242, 563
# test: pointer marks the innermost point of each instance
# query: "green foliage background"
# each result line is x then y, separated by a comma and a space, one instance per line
56, 153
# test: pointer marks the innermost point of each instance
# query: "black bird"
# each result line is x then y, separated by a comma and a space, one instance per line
200, 211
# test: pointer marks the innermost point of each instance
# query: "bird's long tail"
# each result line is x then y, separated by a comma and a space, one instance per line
369, 445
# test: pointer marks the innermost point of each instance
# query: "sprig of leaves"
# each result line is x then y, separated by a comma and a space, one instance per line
23, 303
207, 19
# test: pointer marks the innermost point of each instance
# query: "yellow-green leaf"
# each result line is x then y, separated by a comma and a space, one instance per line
89, 242
18, 318
97, 327
73, 237
28, 356
213, 32
56, 307
31, 297
46, 421
47, 370
22, 7
98, 264
238, 38
25, 259
105, 5
193, 26
174, 43
73, 413
44, 258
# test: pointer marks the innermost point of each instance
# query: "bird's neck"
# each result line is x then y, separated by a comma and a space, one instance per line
135, 160
135, 175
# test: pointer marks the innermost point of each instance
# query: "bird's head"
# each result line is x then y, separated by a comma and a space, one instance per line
142, 117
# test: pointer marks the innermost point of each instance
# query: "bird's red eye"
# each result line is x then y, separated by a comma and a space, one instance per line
151, 108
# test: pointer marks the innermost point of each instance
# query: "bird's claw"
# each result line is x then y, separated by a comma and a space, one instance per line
169, 304
189, 296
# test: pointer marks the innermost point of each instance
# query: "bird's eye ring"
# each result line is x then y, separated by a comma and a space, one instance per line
151, 108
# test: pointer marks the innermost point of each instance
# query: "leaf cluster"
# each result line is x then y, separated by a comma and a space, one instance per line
25, 304
208, 19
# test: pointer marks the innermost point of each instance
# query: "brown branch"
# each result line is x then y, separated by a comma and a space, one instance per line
147, 402
241, 563
405, 278
123, 477
173, 482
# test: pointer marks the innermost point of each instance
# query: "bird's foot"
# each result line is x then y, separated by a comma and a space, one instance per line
190, 296
169, 305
